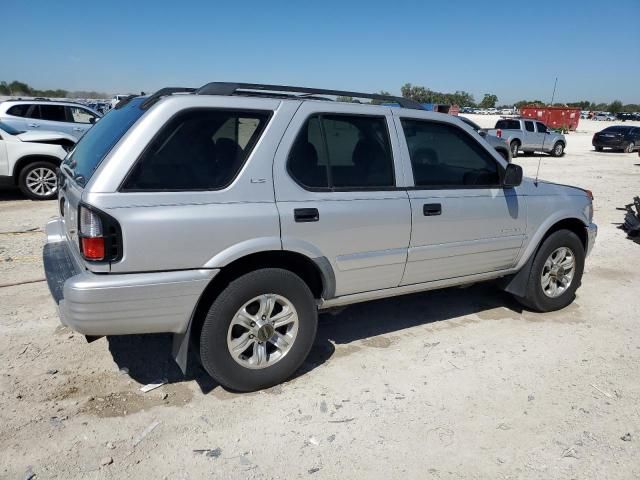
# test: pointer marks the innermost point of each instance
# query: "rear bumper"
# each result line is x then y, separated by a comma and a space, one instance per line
592, 232
108, 304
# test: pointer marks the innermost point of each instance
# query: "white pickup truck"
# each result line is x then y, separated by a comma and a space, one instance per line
528, 135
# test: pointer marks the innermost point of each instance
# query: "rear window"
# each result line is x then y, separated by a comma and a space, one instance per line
100, 139
508, 124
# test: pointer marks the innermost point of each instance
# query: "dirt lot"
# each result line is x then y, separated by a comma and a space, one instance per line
459, 383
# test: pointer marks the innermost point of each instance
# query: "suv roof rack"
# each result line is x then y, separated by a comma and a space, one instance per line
156, 96
226, 88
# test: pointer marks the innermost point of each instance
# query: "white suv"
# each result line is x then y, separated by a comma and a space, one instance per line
66, 117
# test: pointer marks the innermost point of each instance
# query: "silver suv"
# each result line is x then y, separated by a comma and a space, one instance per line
230, 214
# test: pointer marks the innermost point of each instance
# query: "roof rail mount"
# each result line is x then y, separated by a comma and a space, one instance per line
227, 88
163, 92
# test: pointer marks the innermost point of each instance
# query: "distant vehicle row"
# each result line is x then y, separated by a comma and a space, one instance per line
489, 111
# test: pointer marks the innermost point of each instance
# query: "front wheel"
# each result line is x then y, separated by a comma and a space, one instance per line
259, 330
39, 181
630, 148
558, 149
556, 272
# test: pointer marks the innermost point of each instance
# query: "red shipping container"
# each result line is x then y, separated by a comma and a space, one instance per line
554, 117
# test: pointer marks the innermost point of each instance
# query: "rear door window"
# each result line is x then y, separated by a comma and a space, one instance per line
202, 149
344, 152
528, 125
53, 113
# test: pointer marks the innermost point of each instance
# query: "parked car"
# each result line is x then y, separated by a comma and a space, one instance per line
529, 136
66, 117
624, 116
501, 146
604, 117
617, 137
29, 160
230, 214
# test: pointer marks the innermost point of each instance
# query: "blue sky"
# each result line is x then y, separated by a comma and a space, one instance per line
511, 48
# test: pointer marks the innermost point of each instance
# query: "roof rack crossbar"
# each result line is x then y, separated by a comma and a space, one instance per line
226, 88
163, 92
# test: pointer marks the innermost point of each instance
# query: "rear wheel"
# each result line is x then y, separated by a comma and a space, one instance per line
259, 330
556, 272
558, 149
39, 181
630, 148
598, 149
515, 146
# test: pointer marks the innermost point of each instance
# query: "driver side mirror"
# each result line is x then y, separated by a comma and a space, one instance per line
92, 120
482, 133
512, 176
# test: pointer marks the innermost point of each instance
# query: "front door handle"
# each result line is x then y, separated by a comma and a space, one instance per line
431, 209
302, 215
78, 129
33, 125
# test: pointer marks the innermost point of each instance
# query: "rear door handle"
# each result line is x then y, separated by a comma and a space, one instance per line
431, 209
78, 129
302, 215
33, 125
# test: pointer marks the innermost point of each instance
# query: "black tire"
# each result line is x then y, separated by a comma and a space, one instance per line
535, 298
214, 353
630, 147
504, 153
598, 149
557, 150
514, 146
31, 192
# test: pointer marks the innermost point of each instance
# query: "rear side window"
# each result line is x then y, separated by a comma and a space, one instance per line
343, 152
529, 126
508, 124
200, 149
442, 155
18, 110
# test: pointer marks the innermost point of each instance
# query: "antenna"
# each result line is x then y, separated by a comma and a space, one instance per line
553, 96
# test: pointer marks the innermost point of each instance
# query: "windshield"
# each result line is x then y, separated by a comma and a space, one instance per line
471, 123
9, 129
100, 139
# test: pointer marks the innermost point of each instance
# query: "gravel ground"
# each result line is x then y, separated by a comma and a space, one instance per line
458, 383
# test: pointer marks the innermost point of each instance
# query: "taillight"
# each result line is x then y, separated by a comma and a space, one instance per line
91, 238
499, 133
99, 235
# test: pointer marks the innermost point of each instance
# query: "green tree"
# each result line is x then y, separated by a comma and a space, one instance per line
4, 88
19, 88
615, 106
489, 100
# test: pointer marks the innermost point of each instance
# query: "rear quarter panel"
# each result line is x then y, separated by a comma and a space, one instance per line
193, 229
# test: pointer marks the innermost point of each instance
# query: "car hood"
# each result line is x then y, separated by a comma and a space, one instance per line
32, 136
543, 187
